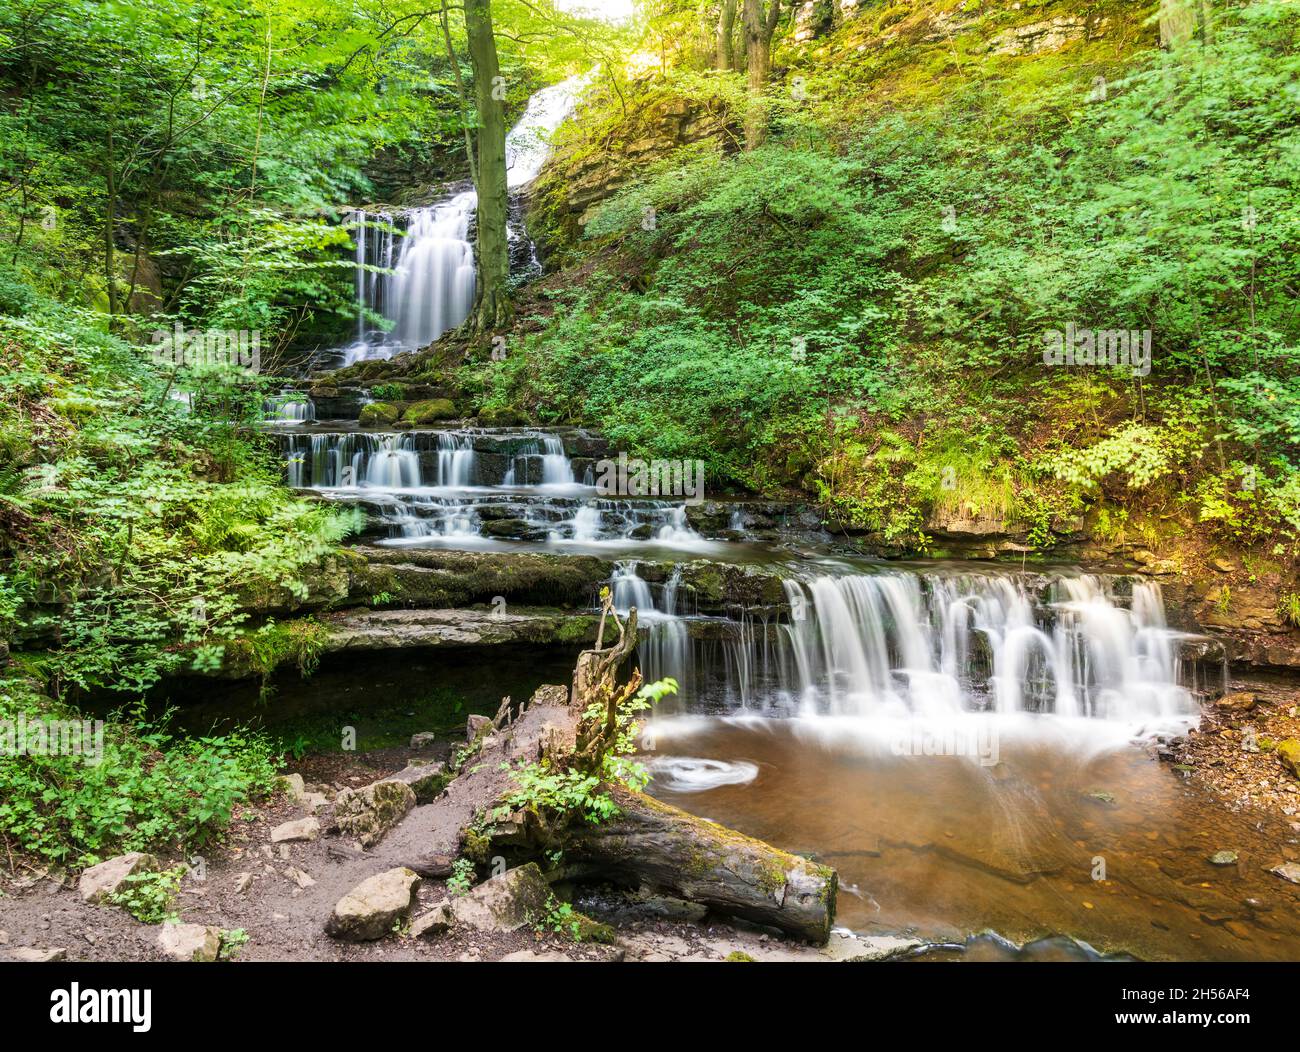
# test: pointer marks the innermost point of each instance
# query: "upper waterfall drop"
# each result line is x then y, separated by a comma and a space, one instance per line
427, 285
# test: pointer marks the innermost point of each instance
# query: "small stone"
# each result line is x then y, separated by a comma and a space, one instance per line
530, 957
1242, 701
101, 882
433, 922
190, 942
32, 955
1288, 871
299, 877
1223, 858
298, 829
423, 739
293, 785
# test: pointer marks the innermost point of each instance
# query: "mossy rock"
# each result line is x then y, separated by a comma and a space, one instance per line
1289, 753
502, 417
429, 410
739, 956
588, 930
379, 414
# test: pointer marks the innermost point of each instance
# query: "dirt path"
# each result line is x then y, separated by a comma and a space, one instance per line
280, 895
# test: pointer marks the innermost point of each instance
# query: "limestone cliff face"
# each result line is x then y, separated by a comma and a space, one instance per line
583, 175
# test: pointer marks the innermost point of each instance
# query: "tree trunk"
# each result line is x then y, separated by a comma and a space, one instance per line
693, 859
110, 210
759, 25
1177, 22
492, 307
726, 59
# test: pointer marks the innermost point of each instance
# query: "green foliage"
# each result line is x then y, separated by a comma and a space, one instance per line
150, 789
150, 896
232, 941
542, 787
462, 876
139, 529
855, 309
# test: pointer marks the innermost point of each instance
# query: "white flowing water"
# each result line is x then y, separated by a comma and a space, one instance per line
416, 268
476, 484
909, 646
289, 410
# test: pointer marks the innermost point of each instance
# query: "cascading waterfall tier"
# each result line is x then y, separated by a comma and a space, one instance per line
927, 645
475, 483
416, 268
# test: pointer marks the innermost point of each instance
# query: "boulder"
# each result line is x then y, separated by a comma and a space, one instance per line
298, 829
431, 409
370, 812
101, 882
370, 910
378, 414
190, 942
423, 739
293, 785
425, 780
506, 902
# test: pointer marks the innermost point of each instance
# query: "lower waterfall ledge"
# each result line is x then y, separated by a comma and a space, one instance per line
377, 630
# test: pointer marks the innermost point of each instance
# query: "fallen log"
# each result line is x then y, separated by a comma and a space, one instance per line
652, 843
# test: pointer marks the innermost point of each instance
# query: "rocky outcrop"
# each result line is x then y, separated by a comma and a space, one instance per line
426, 781
504, 903
430, 577
1048, 35
402, 629
369, 813
578, 180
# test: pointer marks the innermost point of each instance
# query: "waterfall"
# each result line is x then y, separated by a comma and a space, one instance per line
290, 409
513, 485
665, 649
528, 143
427, 287
931, 646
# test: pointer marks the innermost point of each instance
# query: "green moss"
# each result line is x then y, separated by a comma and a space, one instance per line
476, 846
430, 410
739, 955
379, 414
587, 930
